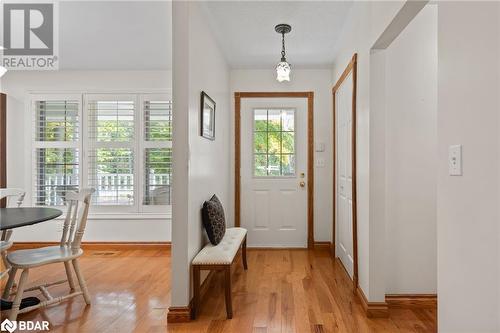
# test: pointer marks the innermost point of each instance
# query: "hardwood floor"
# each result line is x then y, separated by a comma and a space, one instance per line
282, 291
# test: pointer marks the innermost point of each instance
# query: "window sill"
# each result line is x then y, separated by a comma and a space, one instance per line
126, 216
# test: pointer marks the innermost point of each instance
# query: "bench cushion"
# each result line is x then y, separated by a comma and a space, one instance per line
224, 252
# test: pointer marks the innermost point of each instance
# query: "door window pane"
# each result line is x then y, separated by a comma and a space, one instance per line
260, 165
288, 165
260, 142
274, 142
274, 120
288, 117
287, 142
260, 120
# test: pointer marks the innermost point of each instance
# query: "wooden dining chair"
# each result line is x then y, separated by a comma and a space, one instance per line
4, 246
68, 251
9, 194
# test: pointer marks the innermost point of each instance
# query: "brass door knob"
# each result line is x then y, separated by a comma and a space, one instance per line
302, 184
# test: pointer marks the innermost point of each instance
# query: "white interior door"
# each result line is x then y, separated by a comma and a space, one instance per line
273, 171
344, 218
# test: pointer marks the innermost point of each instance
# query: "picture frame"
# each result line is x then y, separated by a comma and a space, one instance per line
207, 116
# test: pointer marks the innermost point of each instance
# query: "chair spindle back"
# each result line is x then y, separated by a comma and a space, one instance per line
10, 193
76, 217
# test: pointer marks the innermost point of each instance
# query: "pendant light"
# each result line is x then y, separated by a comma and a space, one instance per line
283, 67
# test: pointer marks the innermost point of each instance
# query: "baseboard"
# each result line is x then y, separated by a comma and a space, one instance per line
411, 301
372, 309
101, 246
179, 314
269, 248
184, 314
323, 245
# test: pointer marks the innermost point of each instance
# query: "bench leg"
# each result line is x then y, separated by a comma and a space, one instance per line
244, 253
227, 278
196, 290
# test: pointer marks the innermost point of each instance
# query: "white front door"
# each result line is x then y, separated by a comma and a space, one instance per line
343, 130
273, 171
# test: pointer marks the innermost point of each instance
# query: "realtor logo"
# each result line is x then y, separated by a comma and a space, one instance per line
28, 29
8, 325
30, 36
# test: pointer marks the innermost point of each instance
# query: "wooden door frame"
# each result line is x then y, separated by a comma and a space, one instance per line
351, 68
310, 153
3, 144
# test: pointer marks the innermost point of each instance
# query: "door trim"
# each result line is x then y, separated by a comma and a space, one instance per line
3, 145
310, 153
351, 67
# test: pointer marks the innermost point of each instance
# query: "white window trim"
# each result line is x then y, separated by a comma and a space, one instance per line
140, 212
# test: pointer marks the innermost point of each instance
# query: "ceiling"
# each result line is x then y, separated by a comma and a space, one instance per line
115, 35
137, 35
245, 31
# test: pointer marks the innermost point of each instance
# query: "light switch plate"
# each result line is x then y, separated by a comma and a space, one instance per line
320, 146
320, 163
455, 160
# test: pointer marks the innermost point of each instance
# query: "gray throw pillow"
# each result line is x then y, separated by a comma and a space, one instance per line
214, 220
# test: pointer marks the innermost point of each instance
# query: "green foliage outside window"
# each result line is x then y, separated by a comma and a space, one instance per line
274, 148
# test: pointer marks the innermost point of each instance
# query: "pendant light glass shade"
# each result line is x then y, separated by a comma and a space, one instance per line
283, 71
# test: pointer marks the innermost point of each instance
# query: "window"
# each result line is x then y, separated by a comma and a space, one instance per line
56, 154
157, 152
111, 149
126, 142
274, 142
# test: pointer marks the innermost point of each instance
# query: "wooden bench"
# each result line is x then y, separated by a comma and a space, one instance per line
219, 257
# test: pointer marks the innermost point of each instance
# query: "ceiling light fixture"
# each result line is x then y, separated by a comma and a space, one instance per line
283, 67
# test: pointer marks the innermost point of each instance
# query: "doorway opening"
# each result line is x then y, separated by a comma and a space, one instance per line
344, 230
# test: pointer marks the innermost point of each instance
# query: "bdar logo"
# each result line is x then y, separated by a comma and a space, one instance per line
8, 325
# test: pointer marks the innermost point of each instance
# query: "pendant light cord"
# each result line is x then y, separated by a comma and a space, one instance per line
283, 47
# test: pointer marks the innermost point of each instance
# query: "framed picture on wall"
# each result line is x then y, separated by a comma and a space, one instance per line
207, 117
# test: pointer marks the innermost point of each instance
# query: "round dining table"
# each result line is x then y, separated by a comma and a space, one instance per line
11, 218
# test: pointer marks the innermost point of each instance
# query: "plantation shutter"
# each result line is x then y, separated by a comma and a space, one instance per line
56, 154
111, 149
157, 151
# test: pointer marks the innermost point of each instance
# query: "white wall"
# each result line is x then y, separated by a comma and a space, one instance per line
467, 207
318, 81
467, 211
366, 22
411, 157
201, 166
17, 85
